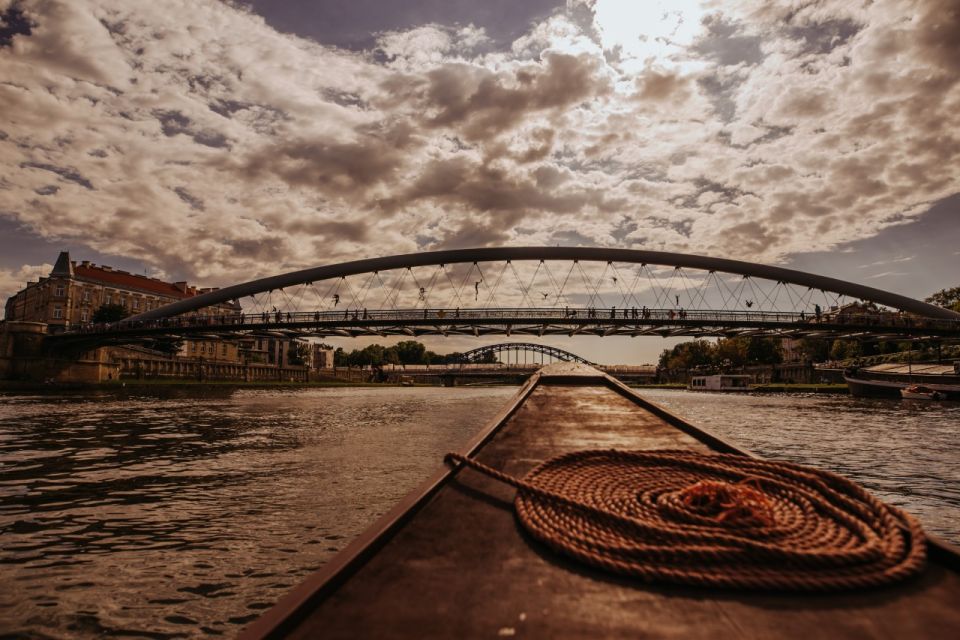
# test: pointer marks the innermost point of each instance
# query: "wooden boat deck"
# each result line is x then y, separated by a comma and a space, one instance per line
451, 560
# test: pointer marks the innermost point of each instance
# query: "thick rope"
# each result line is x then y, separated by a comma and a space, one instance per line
714, 520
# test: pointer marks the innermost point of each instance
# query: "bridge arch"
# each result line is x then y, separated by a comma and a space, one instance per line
574, 255
547, 351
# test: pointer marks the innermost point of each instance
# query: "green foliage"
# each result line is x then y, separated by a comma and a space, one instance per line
404, 352
815, 349
734, 352
110, 313
844, 349
410, 352
298, 352
948, 298
487, 357
688, 355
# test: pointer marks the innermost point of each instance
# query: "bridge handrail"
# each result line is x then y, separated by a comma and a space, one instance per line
567, 314
586, 254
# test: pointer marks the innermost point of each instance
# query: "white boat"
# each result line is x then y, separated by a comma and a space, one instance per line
720, 383
920, 392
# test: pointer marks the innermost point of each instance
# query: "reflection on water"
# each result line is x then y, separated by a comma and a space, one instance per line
178, 514
905, 452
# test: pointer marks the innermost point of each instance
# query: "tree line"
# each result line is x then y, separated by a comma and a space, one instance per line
737, 352
404, 352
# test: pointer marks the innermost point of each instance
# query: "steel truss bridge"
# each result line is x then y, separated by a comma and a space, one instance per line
506, 350
537, 291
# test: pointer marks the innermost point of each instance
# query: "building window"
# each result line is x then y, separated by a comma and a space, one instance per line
136, 303
108, 299
58, 291
223, 349
58, 313
84, 315
86, 295
123, 301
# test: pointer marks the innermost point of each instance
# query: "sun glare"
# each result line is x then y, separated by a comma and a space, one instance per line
648, 31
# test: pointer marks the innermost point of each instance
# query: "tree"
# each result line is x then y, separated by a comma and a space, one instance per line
487, 357
814, 349
732, 351
845, 349
688, 355
391, 355
110, 313
410, 352
298, 352
947, 298
764, 351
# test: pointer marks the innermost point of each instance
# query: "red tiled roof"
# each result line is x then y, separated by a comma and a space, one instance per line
130, 281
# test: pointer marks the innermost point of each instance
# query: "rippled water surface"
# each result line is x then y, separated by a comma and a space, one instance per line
172, 514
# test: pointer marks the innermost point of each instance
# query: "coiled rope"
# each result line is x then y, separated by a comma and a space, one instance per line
714, 520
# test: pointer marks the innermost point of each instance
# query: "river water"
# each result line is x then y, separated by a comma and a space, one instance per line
172, 513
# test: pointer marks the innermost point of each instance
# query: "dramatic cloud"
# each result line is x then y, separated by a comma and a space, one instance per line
218, 149
14, 279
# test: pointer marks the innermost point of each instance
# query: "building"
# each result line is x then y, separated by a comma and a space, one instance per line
72, 293
320, 357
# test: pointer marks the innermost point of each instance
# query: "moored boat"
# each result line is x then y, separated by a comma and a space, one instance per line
452, 559
724, 382
887, 380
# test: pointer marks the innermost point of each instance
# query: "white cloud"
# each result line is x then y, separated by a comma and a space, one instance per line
219, 149
12, 280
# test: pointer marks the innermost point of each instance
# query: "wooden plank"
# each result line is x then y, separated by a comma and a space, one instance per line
462, 567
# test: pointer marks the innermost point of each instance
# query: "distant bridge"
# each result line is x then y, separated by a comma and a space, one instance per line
539, 291
547, 353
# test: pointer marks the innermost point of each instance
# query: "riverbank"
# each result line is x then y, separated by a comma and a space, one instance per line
28, 386
800, 388
17, 385
763, 388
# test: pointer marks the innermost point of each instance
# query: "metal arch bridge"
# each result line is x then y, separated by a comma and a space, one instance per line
545, 351
538, 291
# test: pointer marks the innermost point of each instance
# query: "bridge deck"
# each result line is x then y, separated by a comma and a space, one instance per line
456, 564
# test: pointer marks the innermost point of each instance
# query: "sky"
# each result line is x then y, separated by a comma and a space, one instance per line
223, 141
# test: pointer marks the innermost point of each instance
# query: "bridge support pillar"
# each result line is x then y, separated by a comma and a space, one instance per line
23, 357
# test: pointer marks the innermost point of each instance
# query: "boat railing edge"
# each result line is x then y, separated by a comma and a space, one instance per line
939, 549
292, 607
713, 441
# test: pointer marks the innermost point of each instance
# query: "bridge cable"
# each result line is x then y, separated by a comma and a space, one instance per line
565, 280
587, 285
365, 290
453, 288
394, 295
523, 290
655, 286
633, 288
321, 299
493, 291
726, 300
352, 291
617, 279
552, 279
420, 288
688, 286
